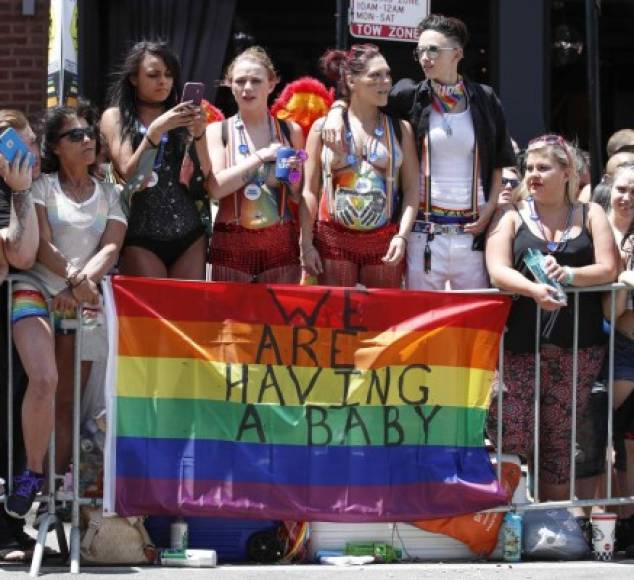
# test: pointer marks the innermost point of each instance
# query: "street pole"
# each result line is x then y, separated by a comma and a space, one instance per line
341, 40
594, 90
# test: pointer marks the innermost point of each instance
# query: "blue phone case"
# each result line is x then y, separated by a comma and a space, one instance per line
11, 144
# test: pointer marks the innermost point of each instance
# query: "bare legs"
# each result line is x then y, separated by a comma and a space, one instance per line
190, 265
49, 365
343, 273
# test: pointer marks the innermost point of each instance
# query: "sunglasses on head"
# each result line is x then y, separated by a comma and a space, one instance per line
548, 139
78, 134
432, 50
513, 182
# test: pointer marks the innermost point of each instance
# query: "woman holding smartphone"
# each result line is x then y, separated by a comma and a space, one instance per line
254, 239
166, 236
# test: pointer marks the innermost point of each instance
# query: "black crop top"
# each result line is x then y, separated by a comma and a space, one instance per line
578, 251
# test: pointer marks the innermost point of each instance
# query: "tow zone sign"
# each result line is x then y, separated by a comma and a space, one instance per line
387, 19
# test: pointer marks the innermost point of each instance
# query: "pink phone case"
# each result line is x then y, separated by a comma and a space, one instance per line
193, 92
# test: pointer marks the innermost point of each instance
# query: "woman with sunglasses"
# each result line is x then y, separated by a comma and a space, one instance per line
362, 227
148, 132
510, 183
81, 231
578, 245
464, 145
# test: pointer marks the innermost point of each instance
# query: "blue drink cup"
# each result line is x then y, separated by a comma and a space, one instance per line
282, 168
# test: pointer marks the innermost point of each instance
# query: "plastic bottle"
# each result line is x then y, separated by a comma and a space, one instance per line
534, 261
189, 558
512, 537
178, 535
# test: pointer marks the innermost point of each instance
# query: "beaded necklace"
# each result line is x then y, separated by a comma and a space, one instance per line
552, 246
253, 190
353, 157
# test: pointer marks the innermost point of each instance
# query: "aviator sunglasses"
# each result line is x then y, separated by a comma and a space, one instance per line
78, 134
432, 50
513, 182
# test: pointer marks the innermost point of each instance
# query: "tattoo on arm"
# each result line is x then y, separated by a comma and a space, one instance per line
22, 204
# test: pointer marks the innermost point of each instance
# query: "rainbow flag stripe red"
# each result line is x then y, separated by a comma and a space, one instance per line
301, 403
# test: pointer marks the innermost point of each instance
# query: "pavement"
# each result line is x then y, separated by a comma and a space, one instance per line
586, 570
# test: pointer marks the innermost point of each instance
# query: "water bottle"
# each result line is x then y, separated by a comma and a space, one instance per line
189, 558
512, 537
534, 261
178, 535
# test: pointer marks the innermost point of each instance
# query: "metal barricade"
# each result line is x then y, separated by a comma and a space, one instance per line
572, 501
76, 500
73, 497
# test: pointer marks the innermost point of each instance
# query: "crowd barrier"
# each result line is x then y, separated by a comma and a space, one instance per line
74, 498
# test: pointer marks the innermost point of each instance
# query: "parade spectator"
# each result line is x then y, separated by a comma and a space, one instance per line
369, 194
510, 183
621, 141
579, 247
166, 236
81, 228
464, 146
254, 239
18, 248
621, 217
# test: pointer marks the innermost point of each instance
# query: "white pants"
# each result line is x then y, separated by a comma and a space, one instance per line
452, 261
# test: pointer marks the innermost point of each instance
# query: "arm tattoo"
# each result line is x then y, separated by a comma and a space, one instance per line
22, 204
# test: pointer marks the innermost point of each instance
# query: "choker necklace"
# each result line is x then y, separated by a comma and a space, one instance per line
551, 245
378, 132
445, 98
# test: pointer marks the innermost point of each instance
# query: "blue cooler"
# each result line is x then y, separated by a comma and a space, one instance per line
234, 540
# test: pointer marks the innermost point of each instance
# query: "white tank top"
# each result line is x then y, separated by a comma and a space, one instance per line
452, 161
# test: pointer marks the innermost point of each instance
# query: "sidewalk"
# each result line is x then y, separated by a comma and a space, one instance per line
586, 570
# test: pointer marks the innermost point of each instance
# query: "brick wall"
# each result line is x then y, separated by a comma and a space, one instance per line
23, 56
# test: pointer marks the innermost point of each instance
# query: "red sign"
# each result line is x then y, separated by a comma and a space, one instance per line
387, 19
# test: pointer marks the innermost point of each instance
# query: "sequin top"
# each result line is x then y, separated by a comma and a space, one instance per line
167, 211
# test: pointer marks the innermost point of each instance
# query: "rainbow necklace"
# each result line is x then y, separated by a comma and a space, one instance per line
445, 98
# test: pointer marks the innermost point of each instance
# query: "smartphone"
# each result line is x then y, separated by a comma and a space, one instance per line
11, 144
193, 92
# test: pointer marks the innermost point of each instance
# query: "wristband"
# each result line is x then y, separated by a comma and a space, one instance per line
22, 192
260, 158
339, 106
570, 276
152, 144
199, 136
402, 237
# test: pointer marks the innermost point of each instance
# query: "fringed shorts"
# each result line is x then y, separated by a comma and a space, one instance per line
336, 242
254, 251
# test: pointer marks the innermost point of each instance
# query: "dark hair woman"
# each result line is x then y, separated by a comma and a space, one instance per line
81, 228
166, 236
464, 145
361, 234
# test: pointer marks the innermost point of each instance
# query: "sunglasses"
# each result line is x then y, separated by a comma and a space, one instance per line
513, 182
432, 51
78, 134
548, 139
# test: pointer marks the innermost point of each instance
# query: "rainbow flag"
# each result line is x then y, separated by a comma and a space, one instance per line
300, 403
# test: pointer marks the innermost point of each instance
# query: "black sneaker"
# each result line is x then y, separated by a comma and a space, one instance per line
25, 488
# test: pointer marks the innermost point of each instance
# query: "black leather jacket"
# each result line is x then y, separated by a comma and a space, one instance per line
412, 101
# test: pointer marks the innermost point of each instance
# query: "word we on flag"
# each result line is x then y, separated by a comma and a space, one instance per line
302, 403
